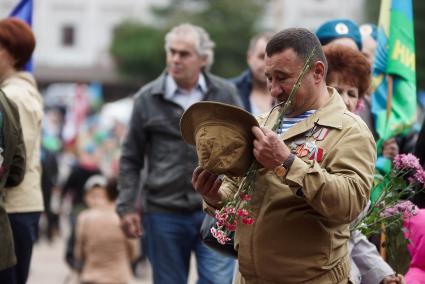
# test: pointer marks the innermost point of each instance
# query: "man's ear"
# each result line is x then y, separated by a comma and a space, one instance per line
248, 58
318, 69
204, 61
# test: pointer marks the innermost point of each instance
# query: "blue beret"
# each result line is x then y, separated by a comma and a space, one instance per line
369, 29
339, 28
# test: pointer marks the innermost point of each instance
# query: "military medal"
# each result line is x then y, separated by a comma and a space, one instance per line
303, 148
317, 154
321, 134
301, 151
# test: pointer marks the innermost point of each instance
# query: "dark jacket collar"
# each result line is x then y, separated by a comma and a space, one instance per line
243, 84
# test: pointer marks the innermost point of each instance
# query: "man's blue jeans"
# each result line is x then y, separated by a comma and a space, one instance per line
170, 238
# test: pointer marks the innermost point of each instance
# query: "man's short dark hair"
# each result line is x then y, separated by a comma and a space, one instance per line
301, 40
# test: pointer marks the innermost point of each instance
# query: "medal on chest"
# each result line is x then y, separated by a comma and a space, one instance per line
306, 145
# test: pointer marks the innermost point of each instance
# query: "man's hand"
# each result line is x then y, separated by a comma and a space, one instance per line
207, 184
269, 149
390, 149
130, 224
399, 279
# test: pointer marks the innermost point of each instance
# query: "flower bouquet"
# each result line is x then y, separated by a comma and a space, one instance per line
387, 214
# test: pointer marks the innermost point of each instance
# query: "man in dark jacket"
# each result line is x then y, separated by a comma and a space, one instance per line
173, 213
12, 170
252, 84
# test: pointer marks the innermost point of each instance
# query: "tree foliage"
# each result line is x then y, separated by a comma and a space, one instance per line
138, 48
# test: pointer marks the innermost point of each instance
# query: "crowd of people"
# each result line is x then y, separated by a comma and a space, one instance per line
135, 189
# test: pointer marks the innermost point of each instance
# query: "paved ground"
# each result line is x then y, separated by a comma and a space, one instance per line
48, 267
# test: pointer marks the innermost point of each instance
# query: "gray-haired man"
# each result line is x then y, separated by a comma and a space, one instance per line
173, 213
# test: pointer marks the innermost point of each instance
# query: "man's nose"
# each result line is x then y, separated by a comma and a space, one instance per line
275, 89
175, 56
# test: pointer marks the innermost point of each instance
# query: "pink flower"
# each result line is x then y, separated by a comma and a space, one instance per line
405, 208
242, 212
245, 197
420, 177
221, 216
411, 180
230, 210
220, 235
406, 161
248, 221
388, 212
231, 226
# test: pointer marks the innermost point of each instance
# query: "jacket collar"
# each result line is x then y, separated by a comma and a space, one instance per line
244, 79
159, 84
171, 87
19, 78
244, 85
329, 115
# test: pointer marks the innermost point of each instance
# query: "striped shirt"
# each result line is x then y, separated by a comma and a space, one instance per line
291, 121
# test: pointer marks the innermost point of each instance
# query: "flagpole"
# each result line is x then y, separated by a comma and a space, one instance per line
383, 238
389, 100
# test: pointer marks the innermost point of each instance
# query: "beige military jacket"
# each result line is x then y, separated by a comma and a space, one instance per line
21, 88
301, 233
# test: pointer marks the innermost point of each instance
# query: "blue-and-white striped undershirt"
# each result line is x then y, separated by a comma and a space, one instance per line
288, 122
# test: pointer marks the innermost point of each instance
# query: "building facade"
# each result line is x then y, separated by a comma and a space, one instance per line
73, 37
310, 14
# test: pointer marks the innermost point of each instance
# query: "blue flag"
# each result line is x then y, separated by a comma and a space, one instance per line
23, 11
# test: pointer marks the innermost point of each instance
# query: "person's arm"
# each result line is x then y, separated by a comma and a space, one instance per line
338, 191
131, 163
372, 267
18, 164
133, 250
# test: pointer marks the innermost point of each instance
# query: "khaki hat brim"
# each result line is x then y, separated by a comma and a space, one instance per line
201, 112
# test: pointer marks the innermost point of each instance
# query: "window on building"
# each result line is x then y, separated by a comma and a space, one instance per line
68, 35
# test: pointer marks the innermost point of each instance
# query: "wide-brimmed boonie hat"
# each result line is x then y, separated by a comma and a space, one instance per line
222, 136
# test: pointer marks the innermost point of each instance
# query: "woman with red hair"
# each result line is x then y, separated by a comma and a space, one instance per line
24, 202
349, 73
